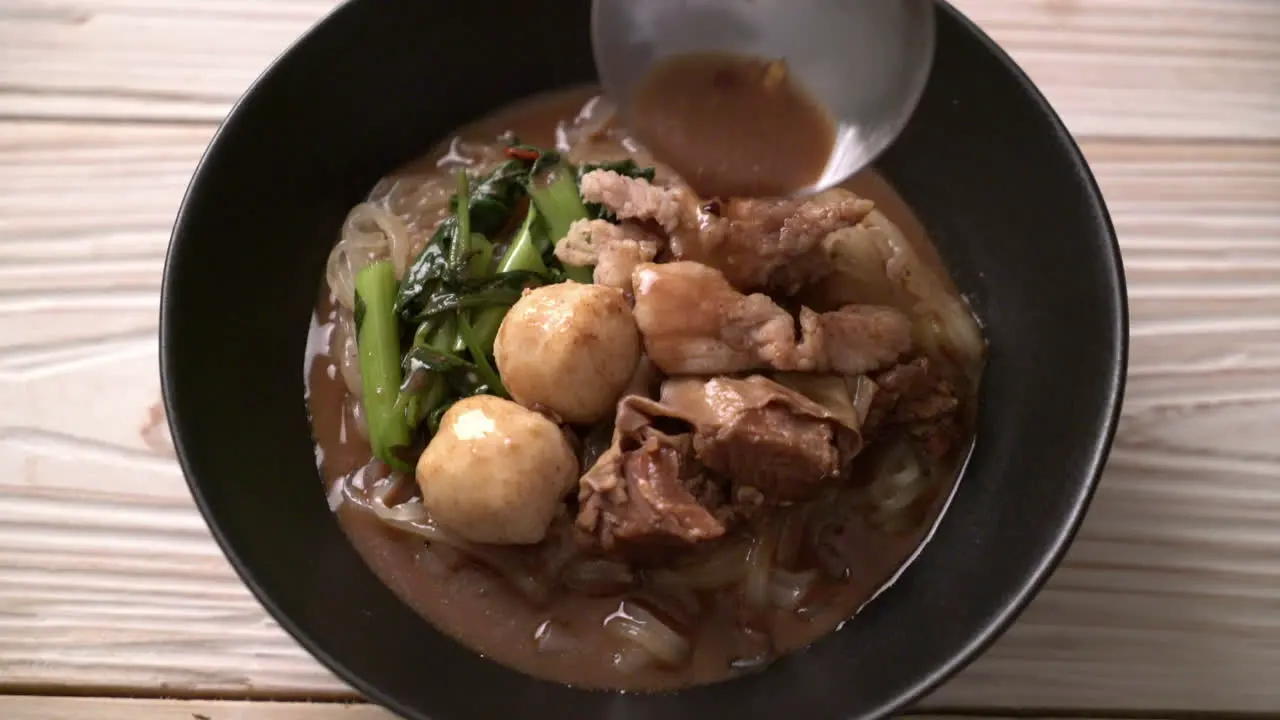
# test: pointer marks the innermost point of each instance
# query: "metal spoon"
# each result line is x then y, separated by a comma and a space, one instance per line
866, 61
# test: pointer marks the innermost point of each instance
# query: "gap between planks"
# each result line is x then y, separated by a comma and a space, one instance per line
1142, 68
1166, 599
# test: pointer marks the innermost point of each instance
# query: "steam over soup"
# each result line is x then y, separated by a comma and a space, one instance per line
617, 435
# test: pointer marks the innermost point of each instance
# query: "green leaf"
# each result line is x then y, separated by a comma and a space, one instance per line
427, 270
481, 358
502, 289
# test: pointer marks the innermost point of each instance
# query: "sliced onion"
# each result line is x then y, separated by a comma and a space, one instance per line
412, 517
632, 622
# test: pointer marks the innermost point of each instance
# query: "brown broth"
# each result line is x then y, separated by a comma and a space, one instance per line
732, 126
480, 609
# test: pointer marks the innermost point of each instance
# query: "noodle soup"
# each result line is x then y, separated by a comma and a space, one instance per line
615, 435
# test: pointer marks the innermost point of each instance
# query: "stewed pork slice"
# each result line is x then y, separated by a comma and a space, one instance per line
776, 244
695, 323
780, 245
709, 454
614, 250
763, 435
857, 338
638, 199
646, 495
917, 396
874, 263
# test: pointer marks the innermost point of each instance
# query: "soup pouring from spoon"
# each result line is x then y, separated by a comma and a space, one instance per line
764, 98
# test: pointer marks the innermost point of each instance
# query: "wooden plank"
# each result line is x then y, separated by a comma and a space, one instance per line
1167, 600
59, 708
56, 708
1119, 68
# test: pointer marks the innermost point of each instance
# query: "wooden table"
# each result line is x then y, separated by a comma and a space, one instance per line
110, 585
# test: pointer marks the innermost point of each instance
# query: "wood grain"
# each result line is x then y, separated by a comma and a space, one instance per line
1169, 600
1128, 68
50, 708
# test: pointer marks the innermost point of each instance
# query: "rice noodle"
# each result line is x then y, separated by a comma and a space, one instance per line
756, 652
677, 602
344, 351
864, 391
552, 638
370, 233
431, 562
450, 556
832, 562
791, 534
558, 549
412, 517
595, 576
900, 481
825, 521
632, 622
788, 589
721, 567
358, 417
760, 561
632, 659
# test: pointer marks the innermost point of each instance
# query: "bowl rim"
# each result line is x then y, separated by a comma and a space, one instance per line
981, 638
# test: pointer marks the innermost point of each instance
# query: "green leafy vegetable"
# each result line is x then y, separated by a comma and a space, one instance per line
560, 205
427, 368
501, 289
523, 252
433, 420
481, 262
485, 370
522, 255
489, 203
378, 342
496, 196
460, 248
457, 295
427, 271
628, 168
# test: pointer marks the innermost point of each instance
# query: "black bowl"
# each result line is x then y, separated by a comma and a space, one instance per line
986, 164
